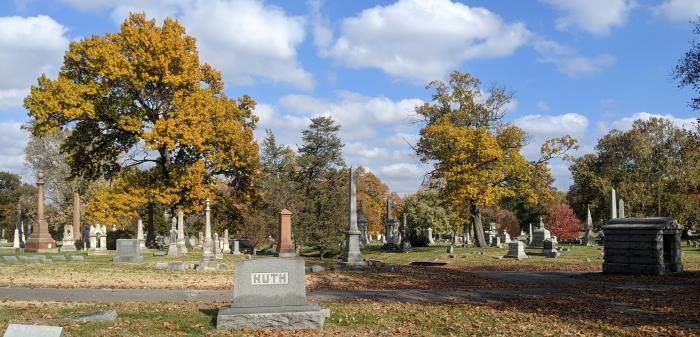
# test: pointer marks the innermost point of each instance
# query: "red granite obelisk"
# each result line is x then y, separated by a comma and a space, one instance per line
285, 246
40, 240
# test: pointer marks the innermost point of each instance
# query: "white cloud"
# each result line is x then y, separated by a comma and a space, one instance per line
359, 116
553, 125
29, 46
13, 140
403, 170
568, 61
247, 40
625, 123
679, 10
597, 17
421, 40
543, 106
323, 33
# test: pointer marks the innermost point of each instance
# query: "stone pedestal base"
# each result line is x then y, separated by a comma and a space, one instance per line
285, 254
172, 250
128, 259
238, 318
97, 252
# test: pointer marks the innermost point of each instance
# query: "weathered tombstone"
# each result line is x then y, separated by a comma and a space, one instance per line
539, 235
236, 247
495, 241
549, 248
271, 293
450, 249
22, 330
68, 240
589, 236
139, 234
207, 244
431, 240
15, 243
505, 237
201, 240
40, 240
285, 246
217, 247
516, 250
642, 246
225, 242
181, 245
191, 242
128, 250
621, 209
160, 244
362, 224
613, 205
405, 240
529, 237
172, 246
351, 252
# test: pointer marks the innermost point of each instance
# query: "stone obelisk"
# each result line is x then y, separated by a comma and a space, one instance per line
208, 244
40, 240
76, 217
588, 237
139, 234
621, 209
351, 253
19, 226
181, 246
613, 205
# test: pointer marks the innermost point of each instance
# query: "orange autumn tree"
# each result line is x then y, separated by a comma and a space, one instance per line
372, 192
476, 155
562, 222
148, 116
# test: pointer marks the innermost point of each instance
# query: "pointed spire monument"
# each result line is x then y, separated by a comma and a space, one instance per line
351, 253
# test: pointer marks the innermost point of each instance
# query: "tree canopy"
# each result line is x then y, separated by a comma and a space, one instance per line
140, 98
476, 155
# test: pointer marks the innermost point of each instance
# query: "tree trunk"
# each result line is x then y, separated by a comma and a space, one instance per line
479, 240
150, 234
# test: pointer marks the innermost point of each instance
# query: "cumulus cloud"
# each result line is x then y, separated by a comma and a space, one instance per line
247, 40
13, 140
421, 40
679, 10
625, 123
568, 61
29, 46
553, 125
597, 17
360, 116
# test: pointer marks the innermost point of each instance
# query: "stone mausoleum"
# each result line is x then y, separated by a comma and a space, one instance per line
642, 246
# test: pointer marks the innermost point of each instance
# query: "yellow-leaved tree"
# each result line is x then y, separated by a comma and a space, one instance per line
140, 101
475, 154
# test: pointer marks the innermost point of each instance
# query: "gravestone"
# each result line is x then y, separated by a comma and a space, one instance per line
285, 246
351, 252
589, 236
68, 240
16, 243
450, 249
362, 224
172, 246
139, 234
236, 247
505, 237
431, 240
225, 242
201, 239
549, 248
40, 240
539, 235
191, 242
495, 241
270, 293
516, 250
128, 250
181, 244
217, 248
22, 330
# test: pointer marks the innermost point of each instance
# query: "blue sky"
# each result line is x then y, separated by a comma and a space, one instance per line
578, 67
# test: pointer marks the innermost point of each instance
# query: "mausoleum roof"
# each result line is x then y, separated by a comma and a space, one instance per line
642, 223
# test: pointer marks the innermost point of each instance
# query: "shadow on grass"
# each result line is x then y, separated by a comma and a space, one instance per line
212, 313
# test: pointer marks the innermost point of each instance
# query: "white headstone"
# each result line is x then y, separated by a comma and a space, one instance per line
22, 330
15, 244
225, 242
139, 234
613, 205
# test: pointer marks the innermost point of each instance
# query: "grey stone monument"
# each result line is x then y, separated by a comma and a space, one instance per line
539, 235
516, 250
405, 240
505, 237
589, 236
236, 247
172, 246
217, 247
351, 252
271, 293
642, 246
128, 250
225, 242
207, 243
22, 330
362, 224
16, 242
621, 209
139, 234
19, 225
181, 245
549, 248
431, 240
529, 237
613, 205
68, 239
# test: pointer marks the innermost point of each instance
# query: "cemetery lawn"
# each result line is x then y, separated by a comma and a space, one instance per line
101, 272
355, 318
